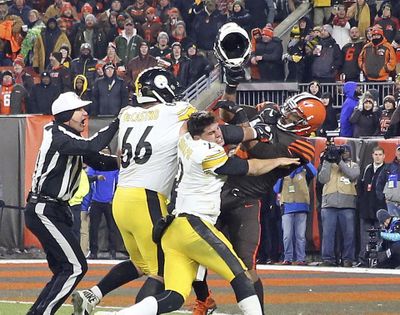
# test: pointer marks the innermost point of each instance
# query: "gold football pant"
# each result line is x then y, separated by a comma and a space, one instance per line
135, 211
190, 242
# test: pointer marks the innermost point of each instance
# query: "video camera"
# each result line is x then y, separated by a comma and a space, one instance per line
333, 153
374, 246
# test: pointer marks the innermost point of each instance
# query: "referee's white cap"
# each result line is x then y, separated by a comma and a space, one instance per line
67, 101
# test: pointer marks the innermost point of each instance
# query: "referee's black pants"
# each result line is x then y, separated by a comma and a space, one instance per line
51, 223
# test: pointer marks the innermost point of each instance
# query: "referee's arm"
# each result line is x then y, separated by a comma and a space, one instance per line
69, 143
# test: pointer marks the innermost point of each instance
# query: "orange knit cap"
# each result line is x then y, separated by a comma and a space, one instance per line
267, 31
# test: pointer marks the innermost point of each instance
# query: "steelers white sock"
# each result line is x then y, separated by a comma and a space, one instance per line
97, 292
147, 306
250, 306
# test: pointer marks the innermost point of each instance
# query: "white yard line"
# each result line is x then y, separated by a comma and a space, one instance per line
259, 267
106, 307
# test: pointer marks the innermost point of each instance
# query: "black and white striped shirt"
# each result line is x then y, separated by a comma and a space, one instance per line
62, 152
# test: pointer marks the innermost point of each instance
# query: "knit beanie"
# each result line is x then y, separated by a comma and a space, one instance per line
90, 16
87, 8
181, 23
382, 215
63, 46
389, 99
163, 34
367, 96
267, 31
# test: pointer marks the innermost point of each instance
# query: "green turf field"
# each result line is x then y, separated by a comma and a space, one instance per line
22, 309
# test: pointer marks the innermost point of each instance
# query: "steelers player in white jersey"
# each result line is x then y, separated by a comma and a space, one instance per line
191, 240
148, 139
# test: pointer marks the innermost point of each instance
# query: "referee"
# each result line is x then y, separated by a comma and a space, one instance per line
54, 181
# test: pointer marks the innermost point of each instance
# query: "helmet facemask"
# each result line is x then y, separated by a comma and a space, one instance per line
232, 46
302, 114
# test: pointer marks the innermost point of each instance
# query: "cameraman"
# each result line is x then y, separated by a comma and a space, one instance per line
388, 185
338, 174
391, 233
368, 202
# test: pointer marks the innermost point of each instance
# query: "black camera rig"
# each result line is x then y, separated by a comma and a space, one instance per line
333, 153
374, 246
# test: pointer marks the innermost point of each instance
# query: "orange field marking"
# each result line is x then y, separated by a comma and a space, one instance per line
276, 282
295, 298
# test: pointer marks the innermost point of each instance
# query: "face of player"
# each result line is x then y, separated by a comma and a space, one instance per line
378, 156
78, 120
212, 133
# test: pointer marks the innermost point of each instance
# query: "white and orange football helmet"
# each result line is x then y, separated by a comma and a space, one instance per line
302, 114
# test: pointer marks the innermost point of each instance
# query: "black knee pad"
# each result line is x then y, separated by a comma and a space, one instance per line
150, 287
169, 301
242, 286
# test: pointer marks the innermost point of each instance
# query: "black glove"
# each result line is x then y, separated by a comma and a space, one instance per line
240, 116
233, 76
2, 203
270, 115
264, 133
228, 106
160, 227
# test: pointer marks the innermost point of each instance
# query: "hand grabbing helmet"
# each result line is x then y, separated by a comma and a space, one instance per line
232, 46
302, 114
155, 85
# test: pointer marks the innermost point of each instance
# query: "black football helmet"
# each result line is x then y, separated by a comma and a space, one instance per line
155, 85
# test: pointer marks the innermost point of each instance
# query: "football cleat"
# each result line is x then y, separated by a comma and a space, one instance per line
204, 308
84, 302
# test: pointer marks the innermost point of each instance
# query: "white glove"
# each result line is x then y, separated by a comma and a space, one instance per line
286, 57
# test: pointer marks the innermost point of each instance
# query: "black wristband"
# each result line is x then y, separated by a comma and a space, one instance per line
230, 89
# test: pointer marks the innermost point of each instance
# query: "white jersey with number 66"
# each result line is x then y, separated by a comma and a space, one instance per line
148, 139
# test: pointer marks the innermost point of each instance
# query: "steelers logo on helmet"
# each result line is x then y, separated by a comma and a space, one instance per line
232, 46
155, 85
302, 114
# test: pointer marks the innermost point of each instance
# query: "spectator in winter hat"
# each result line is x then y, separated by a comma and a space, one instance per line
389, 106
42, 95
268, 56
86, 9
377, 58
128, 42
152, 27
112, 56
66, 58
161, 48
60, 75
179, 35
141, 62
199, 65
54, 11
365, 118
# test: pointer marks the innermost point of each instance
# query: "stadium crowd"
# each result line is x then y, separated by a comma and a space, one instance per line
97, 49
105, 54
